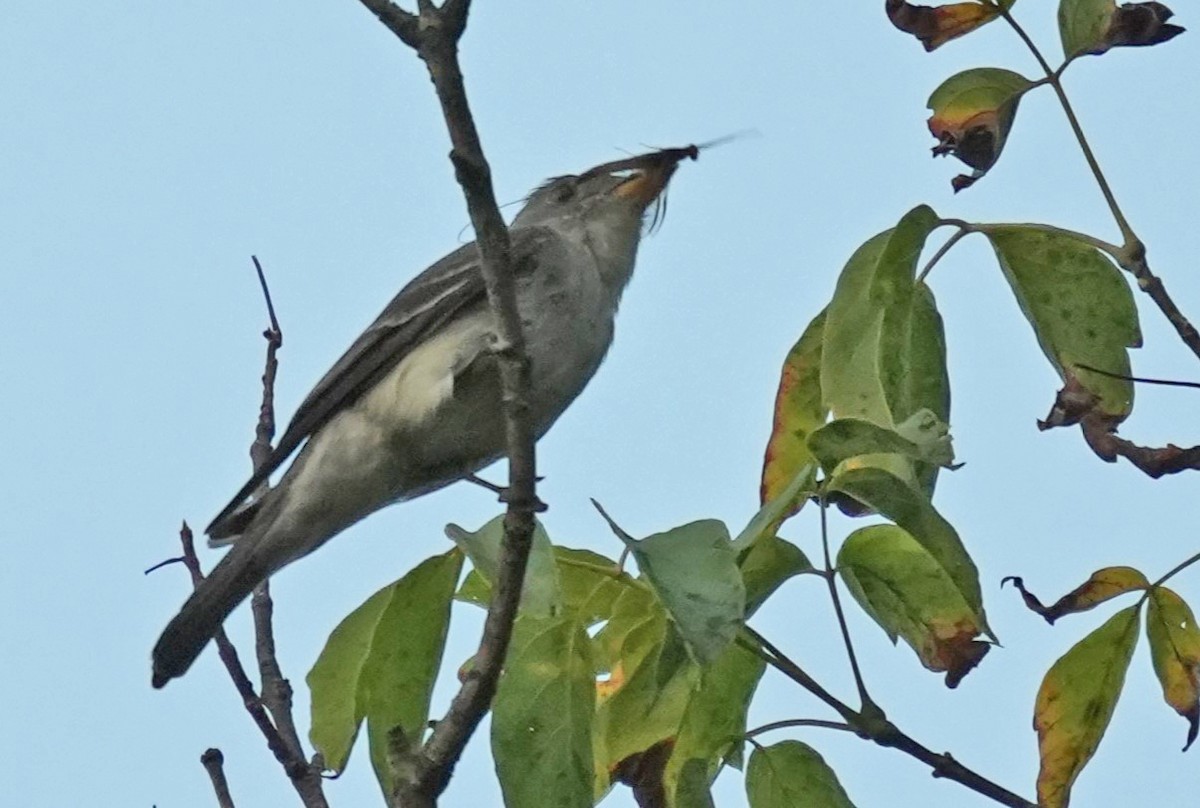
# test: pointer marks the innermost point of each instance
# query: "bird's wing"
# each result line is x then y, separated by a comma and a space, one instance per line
422, 307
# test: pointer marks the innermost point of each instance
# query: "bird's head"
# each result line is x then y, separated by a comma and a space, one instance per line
616, 193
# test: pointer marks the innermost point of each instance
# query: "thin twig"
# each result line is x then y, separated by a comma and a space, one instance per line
214, 763
1138, 379
831, 581
1055, 81
434, 33
241, 682
1178, 568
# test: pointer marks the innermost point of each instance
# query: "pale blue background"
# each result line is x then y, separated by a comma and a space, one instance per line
147, 149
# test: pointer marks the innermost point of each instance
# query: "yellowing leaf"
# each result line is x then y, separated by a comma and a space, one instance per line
909, 594
1095, 26
912, 511
938, 25
1076, 701
798, 411
1081, 310
973, 112
1175, 650
1104, 584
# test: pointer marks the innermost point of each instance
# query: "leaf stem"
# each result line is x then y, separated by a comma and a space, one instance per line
797, 722
945, 248
831, 581
1117, 253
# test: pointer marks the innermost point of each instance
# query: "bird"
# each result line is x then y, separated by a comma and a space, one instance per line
415, 403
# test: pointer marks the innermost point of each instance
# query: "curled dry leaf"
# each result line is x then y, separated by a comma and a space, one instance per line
1175, 651
1104, 584
937, 25
973, 112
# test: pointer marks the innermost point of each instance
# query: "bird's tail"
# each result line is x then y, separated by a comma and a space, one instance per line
230, 582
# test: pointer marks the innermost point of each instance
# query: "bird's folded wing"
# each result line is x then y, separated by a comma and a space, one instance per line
427, 303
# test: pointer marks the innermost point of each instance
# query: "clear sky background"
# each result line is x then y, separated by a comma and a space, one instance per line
147, 149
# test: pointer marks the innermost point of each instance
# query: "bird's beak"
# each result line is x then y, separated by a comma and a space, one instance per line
651, 173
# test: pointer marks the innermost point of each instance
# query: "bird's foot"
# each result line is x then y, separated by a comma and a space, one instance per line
502, 492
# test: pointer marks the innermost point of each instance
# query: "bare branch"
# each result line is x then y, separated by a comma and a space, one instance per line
434, 33
214, 763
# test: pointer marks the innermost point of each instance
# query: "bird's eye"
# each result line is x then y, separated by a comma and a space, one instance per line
565, 192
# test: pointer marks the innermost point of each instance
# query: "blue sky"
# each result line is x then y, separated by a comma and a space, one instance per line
148, 149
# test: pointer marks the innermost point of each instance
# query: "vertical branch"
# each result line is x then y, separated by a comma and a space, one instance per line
434, 33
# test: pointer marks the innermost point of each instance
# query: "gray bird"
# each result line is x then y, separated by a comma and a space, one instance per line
415, 403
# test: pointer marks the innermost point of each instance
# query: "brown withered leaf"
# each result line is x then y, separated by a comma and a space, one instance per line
937, 25
1071, 404
643, 772
1104, 584
1139, 24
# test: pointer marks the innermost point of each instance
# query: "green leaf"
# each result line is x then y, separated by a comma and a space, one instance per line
540, 595
714, 723
1095, 26
766, 565
1175, 651
884, 358
922, 437
542, 716
791, 774
973, 112
869, 310
380, 663
908, 593
891, 497
1076, 701
770, 516
693, 788
799, 410
693, 569
1081, 309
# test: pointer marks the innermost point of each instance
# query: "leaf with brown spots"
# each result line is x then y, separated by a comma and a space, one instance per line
973, 112
1103, 585
908, 593
1076, 701
1175, 650
1095, 26
1082, 312
937, 25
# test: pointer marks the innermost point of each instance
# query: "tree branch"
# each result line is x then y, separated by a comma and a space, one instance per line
214, 763
434, 33
873, 725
